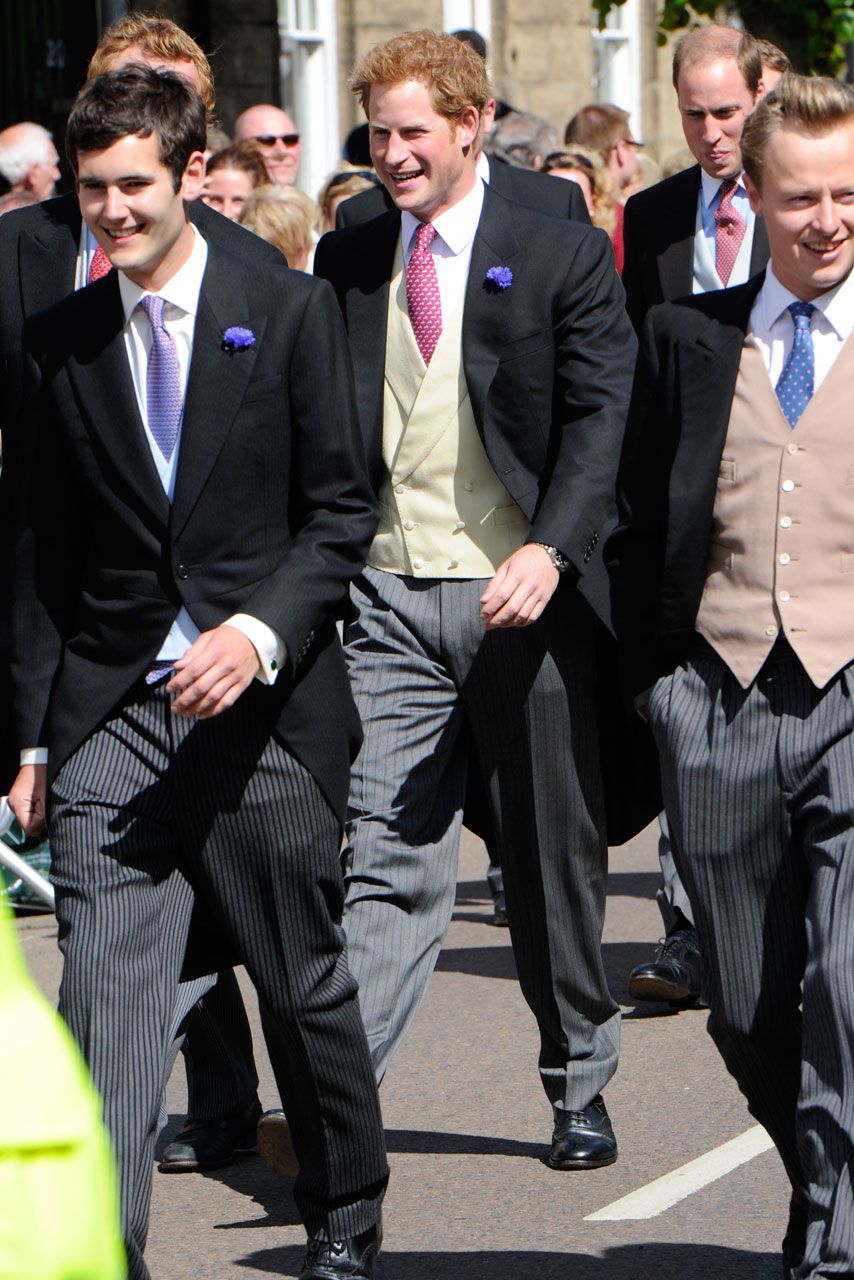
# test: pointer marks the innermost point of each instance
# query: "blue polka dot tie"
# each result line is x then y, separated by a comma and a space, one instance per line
162, 381
795, 384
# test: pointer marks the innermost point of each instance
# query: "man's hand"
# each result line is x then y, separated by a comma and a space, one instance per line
27, 797
520, 589
213, 673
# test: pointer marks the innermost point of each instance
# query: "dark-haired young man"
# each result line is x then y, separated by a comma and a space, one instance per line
193, 505
45, 253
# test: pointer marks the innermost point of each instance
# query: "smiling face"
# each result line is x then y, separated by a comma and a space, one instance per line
714, 102
128, 201
277, 137
226, 191
426, 161
807, 202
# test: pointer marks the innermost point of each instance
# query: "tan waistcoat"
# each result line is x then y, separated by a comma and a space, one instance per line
444, 512
781, 556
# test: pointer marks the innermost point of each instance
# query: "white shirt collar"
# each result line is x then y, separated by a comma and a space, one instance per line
456, 226
710, 187
181, 290
482, 168
837, 305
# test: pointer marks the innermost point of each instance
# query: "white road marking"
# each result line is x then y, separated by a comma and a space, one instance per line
664, 1192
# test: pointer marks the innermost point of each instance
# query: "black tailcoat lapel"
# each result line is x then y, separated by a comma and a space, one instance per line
217, 378
489, 312
99, 370
708, 365
678, 221
48, 255
367, 324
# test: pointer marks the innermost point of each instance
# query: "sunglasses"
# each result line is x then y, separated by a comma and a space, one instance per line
270, 139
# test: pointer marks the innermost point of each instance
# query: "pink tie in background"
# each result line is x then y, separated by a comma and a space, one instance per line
99, 266
729, 231
422, 292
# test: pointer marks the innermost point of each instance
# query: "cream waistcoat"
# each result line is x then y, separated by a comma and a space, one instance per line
781, 555
444, 512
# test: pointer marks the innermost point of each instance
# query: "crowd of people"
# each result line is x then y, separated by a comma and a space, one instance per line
366, 518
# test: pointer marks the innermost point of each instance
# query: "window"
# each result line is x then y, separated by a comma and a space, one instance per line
616, 62
308, 73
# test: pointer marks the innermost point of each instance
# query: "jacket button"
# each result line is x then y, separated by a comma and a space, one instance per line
183, 571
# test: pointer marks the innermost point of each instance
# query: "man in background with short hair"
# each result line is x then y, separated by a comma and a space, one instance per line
28, 160
275, 133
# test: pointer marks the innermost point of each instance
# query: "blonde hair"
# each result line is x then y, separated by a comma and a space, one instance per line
347, 180
273, 214
159, 38
815, 104
454, 74
588, 160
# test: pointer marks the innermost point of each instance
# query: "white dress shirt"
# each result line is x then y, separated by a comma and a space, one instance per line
705, 239
181, 295
772, 329
452, 245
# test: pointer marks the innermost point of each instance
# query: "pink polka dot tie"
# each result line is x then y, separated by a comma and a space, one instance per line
99, 266
422, 292
729, 231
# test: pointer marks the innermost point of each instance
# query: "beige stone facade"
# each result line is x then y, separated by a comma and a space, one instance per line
541, 58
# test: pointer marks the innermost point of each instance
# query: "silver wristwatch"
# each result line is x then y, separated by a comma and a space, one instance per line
558, 559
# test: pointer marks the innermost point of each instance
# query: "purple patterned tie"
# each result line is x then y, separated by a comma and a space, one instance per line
163, 381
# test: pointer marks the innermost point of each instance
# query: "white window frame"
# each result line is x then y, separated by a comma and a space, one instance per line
470, 15
308, 72
619, 50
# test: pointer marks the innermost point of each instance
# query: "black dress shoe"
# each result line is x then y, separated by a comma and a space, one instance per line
336, 1259
275, 1146
210, 1144
499, 910
583, 1139
674, 975
795, 1239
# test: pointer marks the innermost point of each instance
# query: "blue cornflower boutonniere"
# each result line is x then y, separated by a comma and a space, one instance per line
498, 279
237, 339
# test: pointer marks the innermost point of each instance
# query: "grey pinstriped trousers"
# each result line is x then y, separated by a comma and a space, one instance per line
430, 685
759, 789
148, 806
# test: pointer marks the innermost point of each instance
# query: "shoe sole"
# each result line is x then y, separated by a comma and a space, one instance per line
657, 991
569, 1165
275, 1146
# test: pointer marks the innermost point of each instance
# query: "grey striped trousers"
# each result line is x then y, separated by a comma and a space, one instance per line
431, 685
759, 789
150, 809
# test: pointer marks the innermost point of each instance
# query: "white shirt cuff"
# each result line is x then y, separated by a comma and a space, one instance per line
268, 644
33, 755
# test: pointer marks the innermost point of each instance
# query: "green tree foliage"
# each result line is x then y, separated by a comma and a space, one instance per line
813, 32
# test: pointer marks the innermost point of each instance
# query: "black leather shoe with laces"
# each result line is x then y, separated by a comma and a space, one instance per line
210, 1144
673, 975
339, 1259
583, 1139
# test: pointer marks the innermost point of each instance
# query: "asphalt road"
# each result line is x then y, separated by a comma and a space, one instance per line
467, 1126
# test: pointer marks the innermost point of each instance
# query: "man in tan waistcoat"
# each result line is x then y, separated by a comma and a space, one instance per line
734, 599
493, 363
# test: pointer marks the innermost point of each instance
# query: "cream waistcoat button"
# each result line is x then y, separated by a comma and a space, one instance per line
409, 524
400, 488
784, 595
785, 558
787, 486
770, 631
418, 564
785, 522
